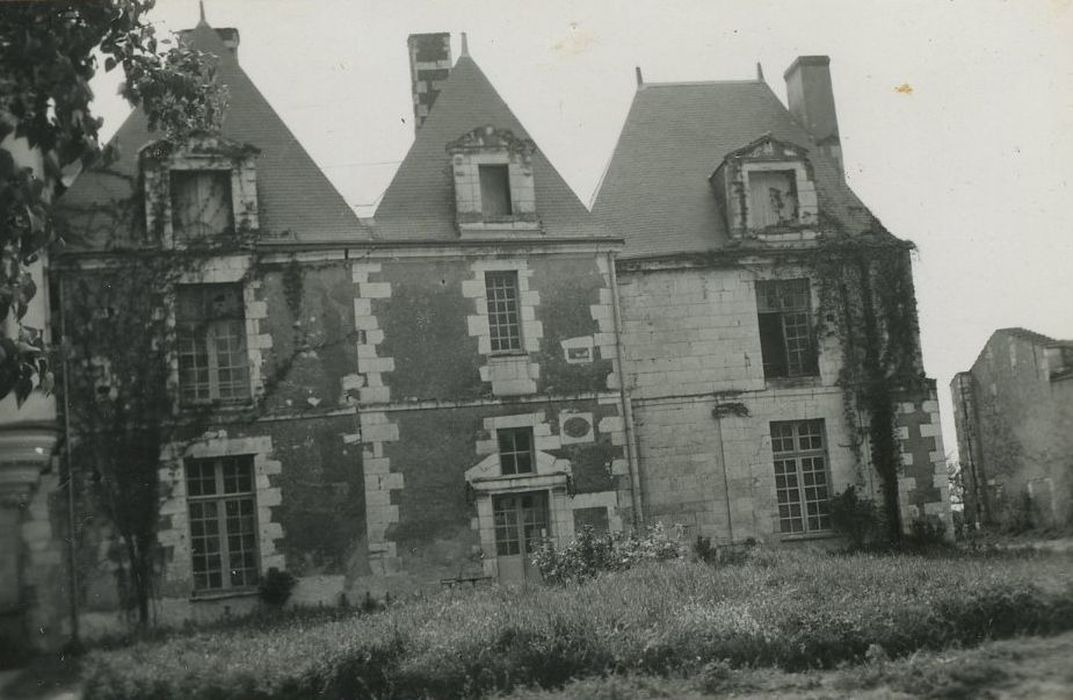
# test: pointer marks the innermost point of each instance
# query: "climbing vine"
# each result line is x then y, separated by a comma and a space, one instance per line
867, 303
49, 51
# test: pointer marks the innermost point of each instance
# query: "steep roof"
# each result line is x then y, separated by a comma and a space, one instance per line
296, 202
655, 192
420, 202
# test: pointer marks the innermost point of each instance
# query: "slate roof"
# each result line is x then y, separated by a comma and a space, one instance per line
420, 202
655, 191
296, 202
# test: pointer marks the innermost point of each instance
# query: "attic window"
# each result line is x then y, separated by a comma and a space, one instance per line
773, 198
495, 192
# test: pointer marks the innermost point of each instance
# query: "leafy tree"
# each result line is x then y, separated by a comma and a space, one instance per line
49, 52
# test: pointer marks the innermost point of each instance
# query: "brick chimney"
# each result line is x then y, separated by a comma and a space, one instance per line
430, 64
812, 102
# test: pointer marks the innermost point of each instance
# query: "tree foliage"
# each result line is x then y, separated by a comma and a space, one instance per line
49, 52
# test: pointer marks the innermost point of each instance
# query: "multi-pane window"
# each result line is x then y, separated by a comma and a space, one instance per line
786, 340
801, 481
495, 192
211, 334
223, 523
504, 321
201, 203
515, 450
772, 198
521, 521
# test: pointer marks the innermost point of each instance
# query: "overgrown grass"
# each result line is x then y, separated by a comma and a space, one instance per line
790, 609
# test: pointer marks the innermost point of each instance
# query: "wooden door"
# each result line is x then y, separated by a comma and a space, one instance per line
521, 521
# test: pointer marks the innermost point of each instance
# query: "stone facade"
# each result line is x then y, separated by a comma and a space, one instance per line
432, 392
1014, 417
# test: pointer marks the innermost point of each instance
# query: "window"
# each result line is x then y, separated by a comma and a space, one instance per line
515, 450
772, 197
495, 192
786, 341
503, 318
201, 203
212, 344
801, 483
223, 523
521, 521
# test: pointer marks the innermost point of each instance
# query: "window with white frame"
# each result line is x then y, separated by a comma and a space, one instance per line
802, 484
223, 523
787, 345
516, 450
504, 318
201, 203
211, 335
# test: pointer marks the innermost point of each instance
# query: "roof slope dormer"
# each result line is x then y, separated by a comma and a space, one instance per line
470, 120
767, 190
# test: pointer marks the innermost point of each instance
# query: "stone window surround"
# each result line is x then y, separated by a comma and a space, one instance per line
550, 473
200, 153
511, 374
490, 146
177, 537
232, 269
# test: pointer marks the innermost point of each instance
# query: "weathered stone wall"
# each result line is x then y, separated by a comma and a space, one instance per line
430, 528
692, 344
432, 394
1024, 429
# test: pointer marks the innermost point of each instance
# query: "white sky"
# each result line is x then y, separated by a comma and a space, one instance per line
974, 164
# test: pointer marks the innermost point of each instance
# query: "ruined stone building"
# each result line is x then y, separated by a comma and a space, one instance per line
1013, 411
414, 400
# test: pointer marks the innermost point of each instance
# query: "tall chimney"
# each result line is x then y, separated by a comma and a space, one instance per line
430, 64
812, 102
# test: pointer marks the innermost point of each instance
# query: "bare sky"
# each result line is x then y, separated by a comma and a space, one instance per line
973, 163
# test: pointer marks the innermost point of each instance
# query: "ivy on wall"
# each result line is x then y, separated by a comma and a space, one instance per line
867, 302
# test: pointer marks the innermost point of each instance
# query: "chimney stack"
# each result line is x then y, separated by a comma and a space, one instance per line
430, 64
812, 102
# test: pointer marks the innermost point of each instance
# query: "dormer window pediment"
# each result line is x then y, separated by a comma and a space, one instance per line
768, 190
493, 178
199, 190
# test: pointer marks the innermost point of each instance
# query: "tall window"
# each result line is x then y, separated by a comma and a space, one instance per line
212, 344
772, 197
786, 341
801, 480
223, 522
515, 450
495, 192
504, 321
201, 203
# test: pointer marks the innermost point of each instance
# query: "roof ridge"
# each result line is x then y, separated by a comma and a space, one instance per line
692, 83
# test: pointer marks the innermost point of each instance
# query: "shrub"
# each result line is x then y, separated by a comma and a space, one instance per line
275, 587
856, 518
591, 552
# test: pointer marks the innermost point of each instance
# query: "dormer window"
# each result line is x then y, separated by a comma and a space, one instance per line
200, 190
768, 191
493, 178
